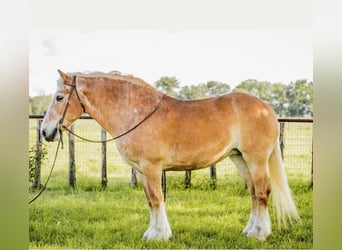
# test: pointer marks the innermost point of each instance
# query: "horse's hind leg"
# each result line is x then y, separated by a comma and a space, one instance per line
255, 176
261, 228
241, 165
159, 226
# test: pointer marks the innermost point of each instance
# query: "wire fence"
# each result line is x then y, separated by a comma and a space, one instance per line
88, 159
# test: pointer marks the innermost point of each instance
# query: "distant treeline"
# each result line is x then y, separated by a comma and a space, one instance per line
292, 100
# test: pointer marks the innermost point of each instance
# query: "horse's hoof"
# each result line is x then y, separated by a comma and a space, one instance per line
259, 233
153, 233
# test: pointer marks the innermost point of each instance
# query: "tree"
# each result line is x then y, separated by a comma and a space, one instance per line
39, 104
217, 88
273, 94
278, 99
294, 99
193, 92
203, 90
168, 85
186, 93
30, 106
300, 97
262, 90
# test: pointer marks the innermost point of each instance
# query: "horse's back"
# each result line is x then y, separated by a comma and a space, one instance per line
230, 109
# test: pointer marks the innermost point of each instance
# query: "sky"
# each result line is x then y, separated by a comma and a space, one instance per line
192, 56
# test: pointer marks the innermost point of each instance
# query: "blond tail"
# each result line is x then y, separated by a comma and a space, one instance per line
281, 193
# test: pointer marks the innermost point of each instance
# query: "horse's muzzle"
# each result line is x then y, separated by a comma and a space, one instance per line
52, 136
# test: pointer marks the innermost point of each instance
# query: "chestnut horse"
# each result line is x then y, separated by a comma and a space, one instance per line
163, 133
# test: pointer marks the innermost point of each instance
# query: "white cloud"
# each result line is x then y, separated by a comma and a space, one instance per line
51, 47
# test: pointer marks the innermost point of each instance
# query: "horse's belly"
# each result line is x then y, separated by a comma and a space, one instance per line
193, 160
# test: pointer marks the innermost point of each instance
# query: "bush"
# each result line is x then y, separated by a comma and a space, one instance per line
36, 158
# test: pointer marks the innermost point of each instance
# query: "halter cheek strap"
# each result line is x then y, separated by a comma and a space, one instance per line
73, 88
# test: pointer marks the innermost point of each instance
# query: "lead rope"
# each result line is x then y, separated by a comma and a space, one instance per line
125, 133
60, 141
47, 180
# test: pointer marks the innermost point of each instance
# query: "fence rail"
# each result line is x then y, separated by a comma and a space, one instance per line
289, 119
302, 139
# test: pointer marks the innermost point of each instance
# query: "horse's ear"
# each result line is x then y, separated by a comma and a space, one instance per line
64, 76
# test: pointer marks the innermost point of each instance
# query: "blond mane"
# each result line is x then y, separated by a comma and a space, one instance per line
116, 75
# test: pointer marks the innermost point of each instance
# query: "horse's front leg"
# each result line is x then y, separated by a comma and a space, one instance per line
159, 226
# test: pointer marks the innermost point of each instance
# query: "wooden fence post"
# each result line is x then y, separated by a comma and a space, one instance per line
312, 165
213, 182
164, 184
72, 170
281, 138
37, 178
187, 180
133, 178
104, 180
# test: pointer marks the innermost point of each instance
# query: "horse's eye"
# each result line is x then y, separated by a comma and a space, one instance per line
59, 98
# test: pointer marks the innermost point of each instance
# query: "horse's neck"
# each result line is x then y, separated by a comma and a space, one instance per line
117, 107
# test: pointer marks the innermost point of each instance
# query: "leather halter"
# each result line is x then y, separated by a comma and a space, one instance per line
73, 88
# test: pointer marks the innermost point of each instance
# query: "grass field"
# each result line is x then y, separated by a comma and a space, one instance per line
90, 218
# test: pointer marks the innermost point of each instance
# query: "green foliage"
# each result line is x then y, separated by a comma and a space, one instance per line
203, 90
253, 87
168, 85
278, 99
274, 94
171, 86
293, 100
300, 96
192, 92
39, 104
36, 157
217, 88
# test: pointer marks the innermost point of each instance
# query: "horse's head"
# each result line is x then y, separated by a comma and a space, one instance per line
65, 108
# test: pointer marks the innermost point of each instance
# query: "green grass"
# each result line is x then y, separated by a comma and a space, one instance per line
89, 218
116, 218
